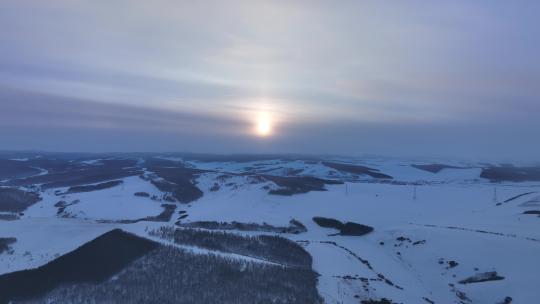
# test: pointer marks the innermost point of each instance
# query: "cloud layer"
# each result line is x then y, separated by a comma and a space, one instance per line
416, 78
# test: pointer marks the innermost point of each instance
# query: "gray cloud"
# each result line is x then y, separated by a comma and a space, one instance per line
457, 72
39, 110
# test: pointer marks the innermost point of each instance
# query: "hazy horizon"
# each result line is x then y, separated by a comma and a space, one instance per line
479, 161
418, 79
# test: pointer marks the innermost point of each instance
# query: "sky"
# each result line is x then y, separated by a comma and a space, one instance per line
398, 78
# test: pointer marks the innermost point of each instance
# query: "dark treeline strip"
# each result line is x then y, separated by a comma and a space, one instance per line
289, 185
348, 228
168, 275
295, 227
270, 248
511, 174
67, 174
93, 262
356, 169
5, 243
90, 188
16, 200
178, 181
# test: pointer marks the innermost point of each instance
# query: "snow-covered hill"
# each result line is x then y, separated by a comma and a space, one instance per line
438, 226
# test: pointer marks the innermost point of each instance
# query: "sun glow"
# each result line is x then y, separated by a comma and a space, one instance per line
264, 125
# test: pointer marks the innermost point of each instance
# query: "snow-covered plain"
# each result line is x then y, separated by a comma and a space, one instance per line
422, 221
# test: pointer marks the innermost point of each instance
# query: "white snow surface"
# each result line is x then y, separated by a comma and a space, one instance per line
116, 203
453, 215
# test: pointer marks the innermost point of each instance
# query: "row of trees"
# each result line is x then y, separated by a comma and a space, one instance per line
271, 248
295, 227
169, 275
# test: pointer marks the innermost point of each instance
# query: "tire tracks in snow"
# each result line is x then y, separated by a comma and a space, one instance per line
360, 259
508, 235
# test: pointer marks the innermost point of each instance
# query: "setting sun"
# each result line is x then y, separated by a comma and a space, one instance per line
264, 125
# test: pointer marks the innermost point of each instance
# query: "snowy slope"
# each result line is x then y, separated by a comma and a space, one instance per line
431, 229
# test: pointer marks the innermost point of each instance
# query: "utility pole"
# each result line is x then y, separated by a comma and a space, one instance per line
338, 290
494, 194
414, 193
